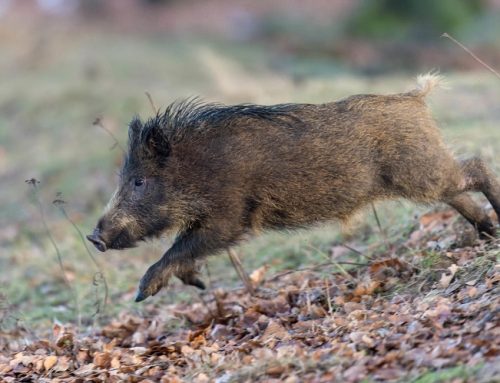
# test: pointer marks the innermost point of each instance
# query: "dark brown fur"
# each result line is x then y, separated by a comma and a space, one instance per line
215, 173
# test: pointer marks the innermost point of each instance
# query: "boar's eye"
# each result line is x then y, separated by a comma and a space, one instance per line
138, 182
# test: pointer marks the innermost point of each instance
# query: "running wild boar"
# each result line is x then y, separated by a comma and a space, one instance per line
213, 173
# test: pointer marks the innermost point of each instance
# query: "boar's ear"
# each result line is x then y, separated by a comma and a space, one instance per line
156, 143
134, 129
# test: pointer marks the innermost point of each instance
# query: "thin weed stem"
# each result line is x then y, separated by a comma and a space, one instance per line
151, 102
98, 122
99, 276
381, 229
34, 183
446, 35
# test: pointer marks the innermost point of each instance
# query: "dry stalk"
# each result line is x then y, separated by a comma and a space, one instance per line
337, 264
446, 35
34, 183
381, 229
235, 260
116, 143
151, 102
319, 266
99, 276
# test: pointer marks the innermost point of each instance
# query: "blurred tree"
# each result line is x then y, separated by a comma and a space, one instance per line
93, 8
412, 19
155, 2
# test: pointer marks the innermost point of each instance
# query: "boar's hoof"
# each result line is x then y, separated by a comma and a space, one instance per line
156, 277
143, 293
140, 296
487, 231
195, 282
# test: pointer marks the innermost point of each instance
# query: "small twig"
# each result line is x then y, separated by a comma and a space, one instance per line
153, 106
446, 35
328, 298
34, 183
356, 251
332, 262
421, 286
318, 266
489, 236
350, 263
382, 231
98, 122
235, 260
210, 285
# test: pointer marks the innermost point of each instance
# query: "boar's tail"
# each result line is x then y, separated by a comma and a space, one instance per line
427, 82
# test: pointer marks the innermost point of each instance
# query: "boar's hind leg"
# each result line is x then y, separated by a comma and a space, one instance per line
479, 177
466, 206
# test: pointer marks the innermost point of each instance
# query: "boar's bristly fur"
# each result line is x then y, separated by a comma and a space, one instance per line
213, 173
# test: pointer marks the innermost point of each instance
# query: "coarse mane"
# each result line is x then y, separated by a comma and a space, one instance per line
183, 119
193, 115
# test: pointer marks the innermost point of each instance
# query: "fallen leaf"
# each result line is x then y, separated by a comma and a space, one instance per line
257, 276
430, 220
472, 291
102, 359
275, 330
49, 362
446, 279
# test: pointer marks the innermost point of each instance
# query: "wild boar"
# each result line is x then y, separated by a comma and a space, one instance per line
213, 173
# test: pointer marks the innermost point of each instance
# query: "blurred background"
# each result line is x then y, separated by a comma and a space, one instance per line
74, 72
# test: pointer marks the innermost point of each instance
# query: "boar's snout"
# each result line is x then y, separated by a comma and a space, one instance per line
97, 240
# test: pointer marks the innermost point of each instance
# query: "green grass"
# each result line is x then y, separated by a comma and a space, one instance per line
431, 260
461, 373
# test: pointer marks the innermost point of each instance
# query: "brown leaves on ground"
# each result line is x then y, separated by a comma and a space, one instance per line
301, 326
298, 334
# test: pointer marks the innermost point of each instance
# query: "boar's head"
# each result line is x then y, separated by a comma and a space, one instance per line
148, 200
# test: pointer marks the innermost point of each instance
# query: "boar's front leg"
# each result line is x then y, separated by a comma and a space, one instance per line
181, 258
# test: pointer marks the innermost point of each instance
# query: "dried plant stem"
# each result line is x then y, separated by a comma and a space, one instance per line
98, 122
380, 228
446, 35
100, 274
335, 263
34, 182
209, 277
235, 260
319, 266
356, 251
328, 298
151, 102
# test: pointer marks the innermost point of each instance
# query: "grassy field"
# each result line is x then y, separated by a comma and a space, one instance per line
57, 85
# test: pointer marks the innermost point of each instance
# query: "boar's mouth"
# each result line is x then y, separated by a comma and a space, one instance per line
122, 241
97, 242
